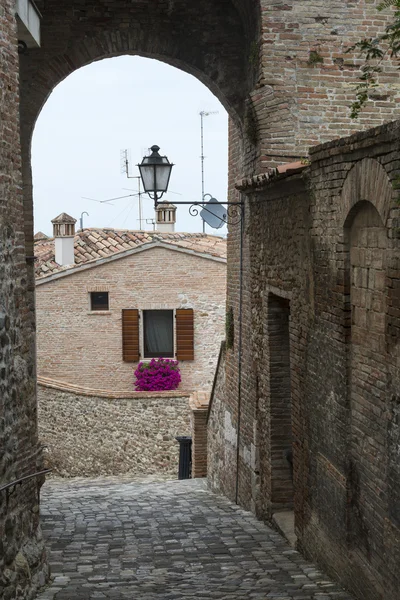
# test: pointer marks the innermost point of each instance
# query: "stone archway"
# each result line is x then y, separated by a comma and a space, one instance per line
208, 39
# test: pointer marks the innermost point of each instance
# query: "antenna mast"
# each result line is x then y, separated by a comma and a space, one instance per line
203, 114
125, 169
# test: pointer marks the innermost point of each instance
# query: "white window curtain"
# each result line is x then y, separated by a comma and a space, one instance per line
158, 333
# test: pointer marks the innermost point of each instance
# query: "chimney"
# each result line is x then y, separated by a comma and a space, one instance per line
64, 232
165, 217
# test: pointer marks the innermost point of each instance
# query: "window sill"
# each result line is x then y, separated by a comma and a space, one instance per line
99, 312
146, 358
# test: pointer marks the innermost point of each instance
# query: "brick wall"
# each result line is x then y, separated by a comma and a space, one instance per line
87, 435
199, 402
85, 348
304, 89
323, 243
22, 557
280, 401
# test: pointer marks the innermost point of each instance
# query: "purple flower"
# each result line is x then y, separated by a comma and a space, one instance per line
160, 374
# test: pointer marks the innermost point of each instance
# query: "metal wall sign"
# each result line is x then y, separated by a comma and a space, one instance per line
213, 213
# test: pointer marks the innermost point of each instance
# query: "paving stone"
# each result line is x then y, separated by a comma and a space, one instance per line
117, 539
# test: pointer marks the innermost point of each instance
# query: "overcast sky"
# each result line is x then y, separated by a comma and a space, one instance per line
125, 102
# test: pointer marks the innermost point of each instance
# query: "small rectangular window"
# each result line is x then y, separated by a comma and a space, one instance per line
158, 333
98, 300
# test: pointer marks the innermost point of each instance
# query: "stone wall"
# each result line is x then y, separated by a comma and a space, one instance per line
221, 446
84, 348
87, 435
321, 318
22, 556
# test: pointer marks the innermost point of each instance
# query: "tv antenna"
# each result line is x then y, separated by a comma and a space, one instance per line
203, 114
125, 160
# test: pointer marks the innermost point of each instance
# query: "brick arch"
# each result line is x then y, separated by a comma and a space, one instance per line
366, 181
210, 39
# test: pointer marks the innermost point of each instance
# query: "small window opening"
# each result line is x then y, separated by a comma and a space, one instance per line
158, 333
99, 300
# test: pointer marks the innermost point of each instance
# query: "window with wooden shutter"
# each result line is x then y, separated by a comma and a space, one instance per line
130, 335
184, 334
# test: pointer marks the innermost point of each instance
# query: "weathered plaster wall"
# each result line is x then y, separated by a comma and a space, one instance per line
87, 435
22, 556
324, 244
85, 348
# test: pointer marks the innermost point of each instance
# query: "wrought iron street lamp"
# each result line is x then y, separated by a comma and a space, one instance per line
155, 172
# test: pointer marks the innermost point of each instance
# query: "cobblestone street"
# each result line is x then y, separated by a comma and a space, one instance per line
111, 538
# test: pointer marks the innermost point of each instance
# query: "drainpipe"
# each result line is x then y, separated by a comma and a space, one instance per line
243, 210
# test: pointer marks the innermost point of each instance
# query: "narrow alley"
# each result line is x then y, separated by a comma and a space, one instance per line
112, 538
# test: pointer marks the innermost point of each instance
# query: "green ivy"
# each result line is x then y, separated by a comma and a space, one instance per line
375, 51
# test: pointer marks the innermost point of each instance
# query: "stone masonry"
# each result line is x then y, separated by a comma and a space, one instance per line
320, 361
22, 555
87, 435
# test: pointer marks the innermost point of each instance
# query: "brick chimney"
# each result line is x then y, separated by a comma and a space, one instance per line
64, 233
165, 217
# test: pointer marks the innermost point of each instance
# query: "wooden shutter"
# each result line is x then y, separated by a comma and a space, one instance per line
184, 334
130, 335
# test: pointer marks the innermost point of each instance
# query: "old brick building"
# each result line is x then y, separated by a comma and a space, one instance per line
315, 365
130, 296
281, 71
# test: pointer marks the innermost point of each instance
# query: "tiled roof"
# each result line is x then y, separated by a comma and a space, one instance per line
93, 244
259, 181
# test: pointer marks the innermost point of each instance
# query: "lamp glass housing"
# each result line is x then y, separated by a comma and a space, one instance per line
155, 172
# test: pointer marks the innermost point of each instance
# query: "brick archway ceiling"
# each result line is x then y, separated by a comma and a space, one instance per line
209, 39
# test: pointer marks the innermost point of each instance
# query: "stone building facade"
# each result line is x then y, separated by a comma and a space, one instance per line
141, 271
314, 371
281, 71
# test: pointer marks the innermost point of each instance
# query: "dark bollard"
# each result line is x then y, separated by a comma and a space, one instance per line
185, 456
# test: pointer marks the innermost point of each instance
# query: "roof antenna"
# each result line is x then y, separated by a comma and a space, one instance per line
203, 114
125, 169
81, 219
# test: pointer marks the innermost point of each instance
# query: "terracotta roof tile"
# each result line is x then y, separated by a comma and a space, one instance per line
93, 244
